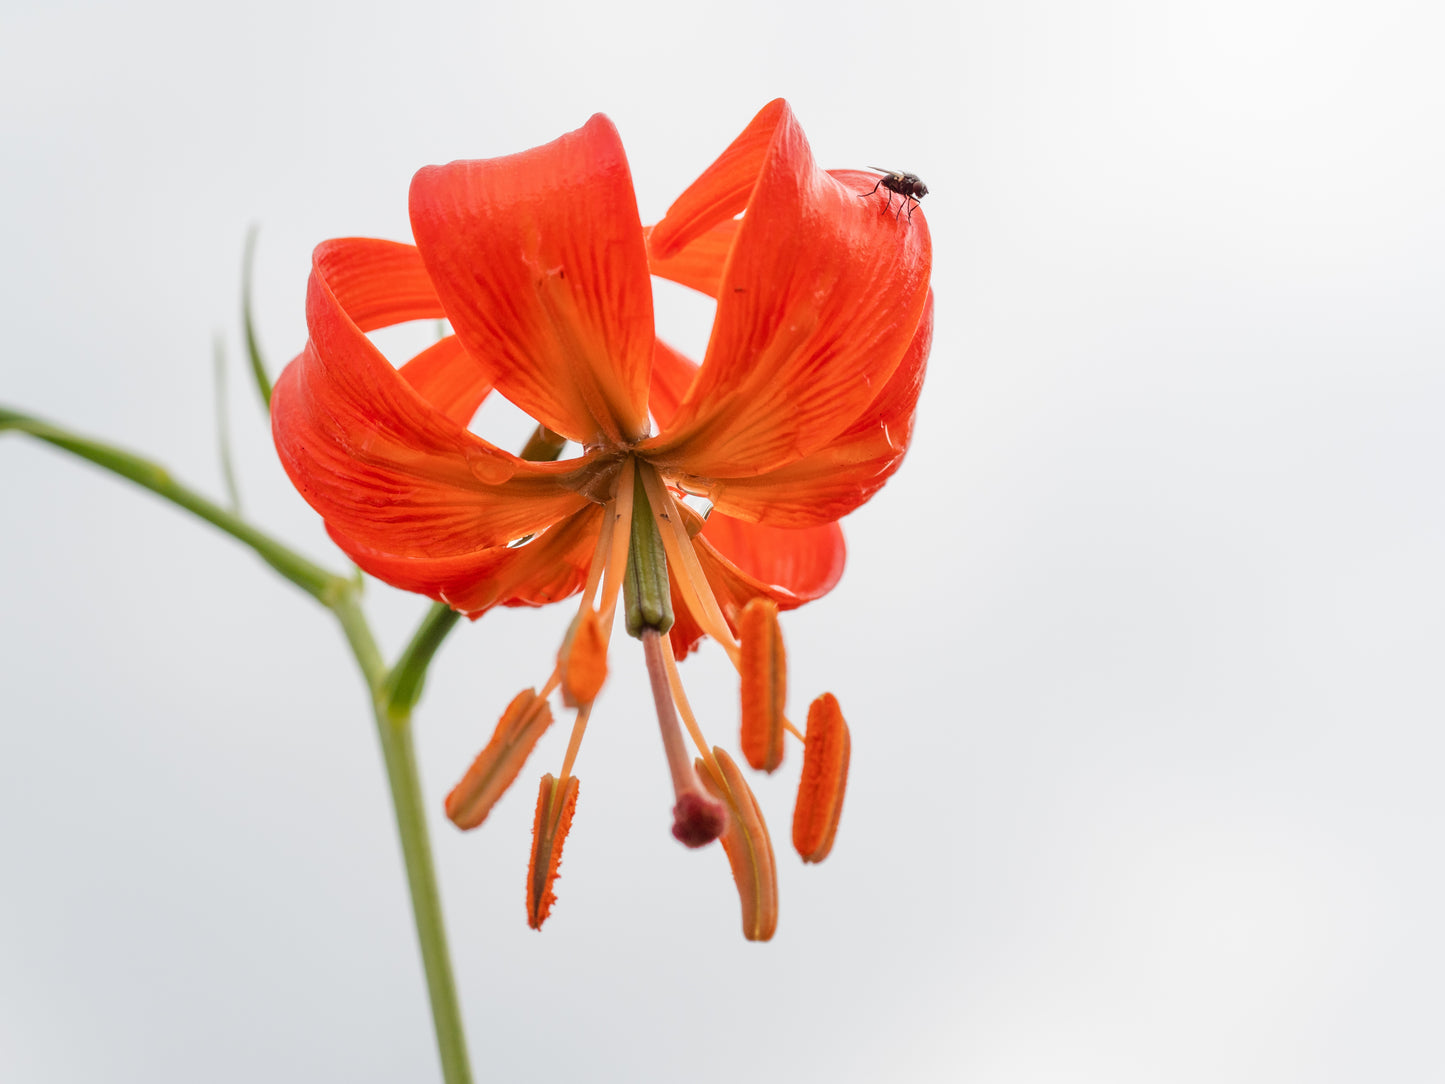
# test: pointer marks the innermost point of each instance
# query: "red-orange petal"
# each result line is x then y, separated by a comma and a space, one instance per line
550, 825
821, 296
700, 264
680, 254
526, 719
837, 479
743, 561
448, 379
546, 569
672, 374
722, 191
539, 261
381, 464
824, 780
748, 847
763, 674
378, 283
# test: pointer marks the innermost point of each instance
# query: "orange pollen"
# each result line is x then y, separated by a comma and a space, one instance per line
555, 806
526, 719
763, 670
583, 659
697, 819
825, 778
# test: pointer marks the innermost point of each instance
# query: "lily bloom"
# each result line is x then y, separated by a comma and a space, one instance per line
702, 499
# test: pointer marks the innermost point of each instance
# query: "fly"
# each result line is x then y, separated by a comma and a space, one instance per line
908, 185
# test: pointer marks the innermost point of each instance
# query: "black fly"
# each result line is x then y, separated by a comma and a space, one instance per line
908, 185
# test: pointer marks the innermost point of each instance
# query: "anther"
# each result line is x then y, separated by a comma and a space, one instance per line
555, 805
763, 670
824, 780
748, 847
582, 659
526, 719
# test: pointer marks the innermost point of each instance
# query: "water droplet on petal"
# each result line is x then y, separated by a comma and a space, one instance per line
488, 466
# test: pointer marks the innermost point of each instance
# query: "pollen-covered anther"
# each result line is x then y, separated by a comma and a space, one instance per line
555, 805
526, 719
583, 659
825, 778
763, 668
748, 847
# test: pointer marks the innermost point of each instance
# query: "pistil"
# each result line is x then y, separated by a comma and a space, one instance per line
697, 818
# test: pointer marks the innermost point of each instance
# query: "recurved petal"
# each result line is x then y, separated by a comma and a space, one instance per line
539, 261
448, 379
743, 561
748, 847
838, 478
543, 570
724, 187
378, 283
697, 259
699, 264
387, 469
672, 374
822, 294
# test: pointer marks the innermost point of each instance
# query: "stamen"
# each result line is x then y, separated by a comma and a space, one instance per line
526, 719
748, 847
574, 743
696, 819
763, 669
553, 819
583, 659
679, 696
824, 780
619, 536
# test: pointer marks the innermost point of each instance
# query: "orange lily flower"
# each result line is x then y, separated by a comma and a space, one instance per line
802, 407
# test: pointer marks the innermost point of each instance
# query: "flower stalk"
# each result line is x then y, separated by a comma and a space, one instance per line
393, 693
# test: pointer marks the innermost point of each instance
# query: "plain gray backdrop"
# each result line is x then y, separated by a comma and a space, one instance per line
1141, 649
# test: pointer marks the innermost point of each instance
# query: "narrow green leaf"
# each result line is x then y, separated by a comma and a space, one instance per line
311, 578
253, 350
223, 428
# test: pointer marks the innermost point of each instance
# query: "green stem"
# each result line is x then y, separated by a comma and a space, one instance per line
393, 728
404, 683
393, 693
311, 578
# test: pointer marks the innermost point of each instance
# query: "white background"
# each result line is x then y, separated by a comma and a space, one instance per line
1141, 649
